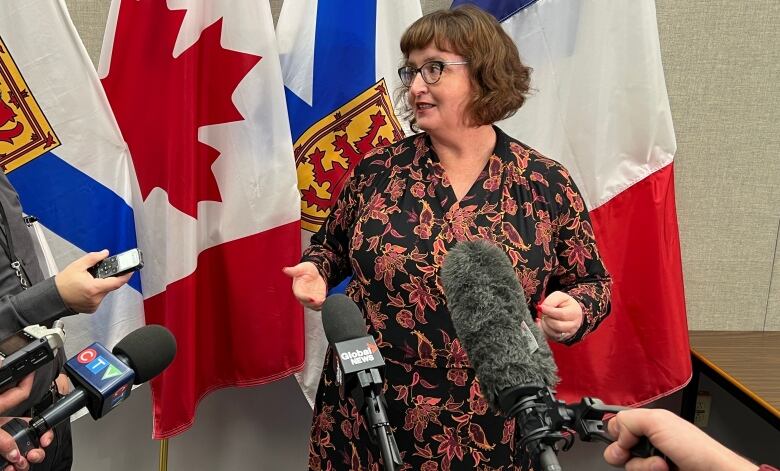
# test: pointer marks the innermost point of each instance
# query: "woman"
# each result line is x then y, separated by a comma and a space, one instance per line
404, 207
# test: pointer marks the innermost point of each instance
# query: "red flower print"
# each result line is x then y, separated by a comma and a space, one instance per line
478, 405
509, 432
424, 411
426, 354
392, 259
457, 376
375, 315
457, 355
513, 236
450, 444
346, 429
425, 223
477, 436
575, 200
418, 190
529, 280
461, 221
521, 154
419, 295
396, 189
404, 319
509, 206
544, 232
576, 253
429, 466
538, 177
376, 209
493, 182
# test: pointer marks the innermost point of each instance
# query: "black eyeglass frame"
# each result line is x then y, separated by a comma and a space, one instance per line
419, 70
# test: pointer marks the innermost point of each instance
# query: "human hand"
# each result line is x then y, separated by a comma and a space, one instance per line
309, 287
10, 451
560, 316
15, 395
80, 290
682, 442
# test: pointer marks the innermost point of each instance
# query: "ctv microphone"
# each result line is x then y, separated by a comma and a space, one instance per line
360, 362
512, 359
102, 381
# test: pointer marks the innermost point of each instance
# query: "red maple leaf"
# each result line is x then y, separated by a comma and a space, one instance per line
160, 101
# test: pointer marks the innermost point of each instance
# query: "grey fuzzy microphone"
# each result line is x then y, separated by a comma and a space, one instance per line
490, 315
511, 357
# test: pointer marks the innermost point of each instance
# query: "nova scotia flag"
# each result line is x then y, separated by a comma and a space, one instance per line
339, 61
68, 161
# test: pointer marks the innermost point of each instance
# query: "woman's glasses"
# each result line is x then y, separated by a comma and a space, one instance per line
430, 71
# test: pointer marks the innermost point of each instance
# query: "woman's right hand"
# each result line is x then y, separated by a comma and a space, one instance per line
308, 286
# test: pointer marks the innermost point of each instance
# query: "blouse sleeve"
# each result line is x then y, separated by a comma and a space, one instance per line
580, 272
329, 247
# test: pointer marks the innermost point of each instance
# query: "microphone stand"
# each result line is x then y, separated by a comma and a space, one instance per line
545, 425
371, 400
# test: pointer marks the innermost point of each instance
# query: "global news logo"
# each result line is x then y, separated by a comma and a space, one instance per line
356, 357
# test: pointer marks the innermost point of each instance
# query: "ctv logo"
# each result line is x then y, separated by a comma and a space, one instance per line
86, 356
359, 356
96, 363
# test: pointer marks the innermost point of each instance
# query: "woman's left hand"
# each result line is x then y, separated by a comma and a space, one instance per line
560, 316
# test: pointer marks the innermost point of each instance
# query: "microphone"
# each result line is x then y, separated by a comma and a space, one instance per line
487, 306
102, 381
511, 357
360, 362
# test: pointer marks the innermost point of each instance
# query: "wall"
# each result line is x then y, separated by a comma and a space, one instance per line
722, 64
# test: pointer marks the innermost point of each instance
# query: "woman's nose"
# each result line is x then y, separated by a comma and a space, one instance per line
418, 85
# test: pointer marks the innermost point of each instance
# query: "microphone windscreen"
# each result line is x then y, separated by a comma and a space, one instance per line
148, 350
490, 315
341, 319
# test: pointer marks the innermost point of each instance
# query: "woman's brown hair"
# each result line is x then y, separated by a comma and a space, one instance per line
500, 80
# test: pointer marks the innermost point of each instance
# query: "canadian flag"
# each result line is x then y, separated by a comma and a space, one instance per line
196, 89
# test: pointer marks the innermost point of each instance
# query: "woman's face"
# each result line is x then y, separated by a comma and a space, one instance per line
439, 106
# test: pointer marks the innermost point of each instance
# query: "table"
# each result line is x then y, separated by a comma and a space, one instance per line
746, 364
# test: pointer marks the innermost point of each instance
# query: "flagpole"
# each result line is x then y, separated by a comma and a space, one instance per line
163, 455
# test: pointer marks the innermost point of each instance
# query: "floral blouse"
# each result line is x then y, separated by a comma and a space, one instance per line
397, 217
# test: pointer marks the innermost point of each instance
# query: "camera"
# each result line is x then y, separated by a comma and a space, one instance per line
27, 350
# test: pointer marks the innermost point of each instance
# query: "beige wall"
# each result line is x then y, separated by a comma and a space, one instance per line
722, 63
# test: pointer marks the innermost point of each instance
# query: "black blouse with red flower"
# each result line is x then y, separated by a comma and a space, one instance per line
390, 230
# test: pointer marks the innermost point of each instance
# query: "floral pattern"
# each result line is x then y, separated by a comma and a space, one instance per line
390, 230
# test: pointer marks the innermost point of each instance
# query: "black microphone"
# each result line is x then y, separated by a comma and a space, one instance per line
102, 381
509, 353
512, 359
360, 362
